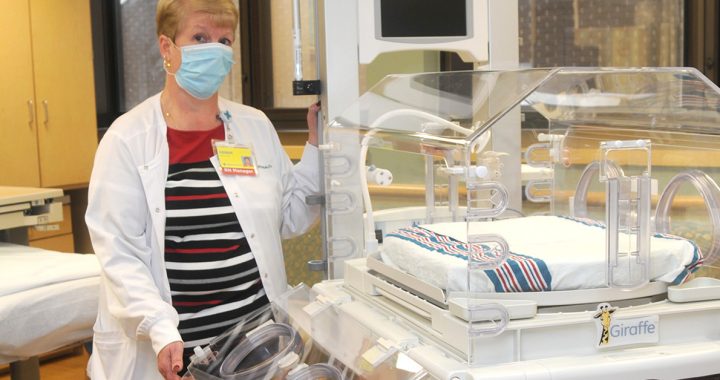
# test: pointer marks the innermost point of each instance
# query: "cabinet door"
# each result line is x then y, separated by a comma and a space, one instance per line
64, 90
18, 141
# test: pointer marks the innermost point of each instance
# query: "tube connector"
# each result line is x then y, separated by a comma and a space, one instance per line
379, 176
479, 171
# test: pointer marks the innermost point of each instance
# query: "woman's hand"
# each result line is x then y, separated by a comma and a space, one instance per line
170, 360
312, 117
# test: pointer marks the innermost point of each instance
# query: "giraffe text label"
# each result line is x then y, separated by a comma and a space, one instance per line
614, 331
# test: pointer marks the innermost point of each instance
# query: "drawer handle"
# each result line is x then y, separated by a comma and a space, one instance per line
47, 114
31, 111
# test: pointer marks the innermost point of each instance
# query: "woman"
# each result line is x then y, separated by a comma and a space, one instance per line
188, 238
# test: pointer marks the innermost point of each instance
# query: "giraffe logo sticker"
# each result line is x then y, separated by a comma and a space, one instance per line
603, 314
614, 331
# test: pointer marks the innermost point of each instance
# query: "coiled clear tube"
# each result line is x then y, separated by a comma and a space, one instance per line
260, 352
710, 193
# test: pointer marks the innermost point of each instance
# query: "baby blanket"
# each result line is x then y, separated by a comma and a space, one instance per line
546, 253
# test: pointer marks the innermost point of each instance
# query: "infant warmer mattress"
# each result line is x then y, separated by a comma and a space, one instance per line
47, 300
546, 253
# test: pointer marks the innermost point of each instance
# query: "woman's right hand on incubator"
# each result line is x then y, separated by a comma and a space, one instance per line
170, 360
312, 117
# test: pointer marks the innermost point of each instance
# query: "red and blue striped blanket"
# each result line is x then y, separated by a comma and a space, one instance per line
518, 273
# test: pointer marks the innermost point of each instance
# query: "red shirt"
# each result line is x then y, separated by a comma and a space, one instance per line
192, 146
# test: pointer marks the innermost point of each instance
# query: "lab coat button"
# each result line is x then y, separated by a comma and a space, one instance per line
157, 209
265, 275
252, 236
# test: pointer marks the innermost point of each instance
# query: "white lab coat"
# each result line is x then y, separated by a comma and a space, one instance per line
126, 220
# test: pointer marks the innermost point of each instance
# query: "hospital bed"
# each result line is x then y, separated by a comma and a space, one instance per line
48, 299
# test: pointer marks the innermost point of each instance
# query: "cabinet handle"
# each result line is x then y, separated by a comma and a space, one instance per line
47, 114
31, 111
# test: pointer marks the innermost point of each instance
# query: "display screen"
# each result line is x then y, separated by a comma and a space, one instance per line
423, 18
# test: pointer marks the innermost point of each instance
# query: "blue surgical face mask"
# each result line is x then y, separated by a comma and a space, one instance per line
203, 68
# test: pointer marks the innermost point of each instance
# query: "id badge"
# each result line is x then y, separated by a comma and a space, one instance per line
235, 159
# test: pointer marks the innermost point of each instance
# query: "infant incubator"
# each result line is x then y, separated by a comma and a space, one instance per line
528, 224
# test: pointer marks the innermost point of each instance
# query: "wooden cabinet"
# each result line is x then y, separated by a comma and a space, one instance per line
18, 142
54, 236
48, 133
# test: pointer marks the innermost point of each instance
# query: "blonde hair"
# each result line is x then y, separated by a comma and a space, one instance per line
171, 13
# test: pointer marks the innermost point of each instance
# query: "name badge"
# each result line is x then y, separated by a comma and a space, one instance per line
235, 159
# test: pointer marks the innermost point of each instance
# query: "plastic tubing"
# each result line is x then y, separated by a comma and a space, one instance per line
265, 335
710, 192
583, 185
370, 240
437, 120
316, 371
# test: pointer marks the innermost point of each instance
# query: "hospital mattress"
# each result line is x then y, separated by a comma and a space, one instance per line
546, 253
48, 300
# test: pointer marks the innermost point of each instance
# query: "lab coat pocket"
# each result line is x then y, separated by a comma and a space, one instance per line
116, 355
153, 175
260, 194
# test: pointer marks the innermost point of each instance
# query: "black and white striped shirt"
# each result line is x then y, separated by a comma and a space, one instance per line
214, 279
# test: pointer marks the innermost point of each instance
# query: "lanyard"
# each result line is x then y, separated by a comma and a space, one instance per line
225, 117
234, 159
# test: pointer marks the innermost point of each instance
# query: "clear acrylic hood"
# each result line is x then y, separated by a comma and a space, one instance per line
648, 98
